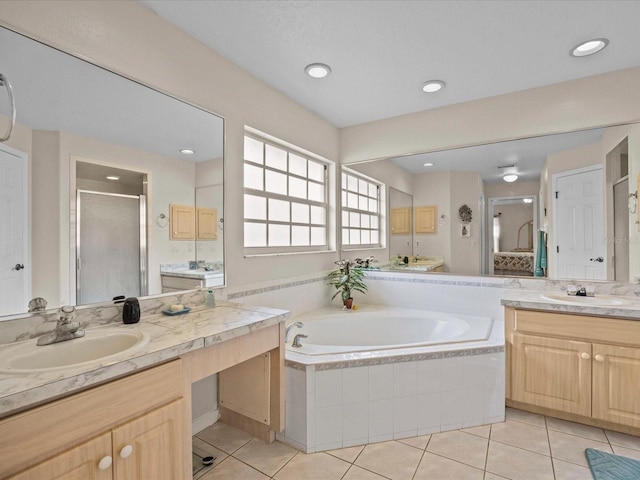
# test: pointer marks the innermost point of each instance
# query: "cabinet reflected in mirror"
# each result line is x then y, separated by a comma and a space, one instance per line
82, 130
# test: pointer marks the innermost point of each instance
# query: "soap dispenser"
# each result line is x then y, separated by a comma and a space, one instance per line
209, 299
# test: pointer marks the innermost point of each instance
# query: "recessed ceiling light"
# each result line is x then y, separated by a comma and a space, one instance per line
433, 86
317, 70
113, 177
428, 164
510, 177
187, 151
589, 47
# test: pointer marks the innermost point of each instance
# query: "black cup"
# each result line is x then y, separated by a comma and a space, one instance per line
131, 310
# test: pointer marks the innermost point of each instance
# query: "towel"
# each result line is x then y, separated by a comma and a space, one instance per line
541, 255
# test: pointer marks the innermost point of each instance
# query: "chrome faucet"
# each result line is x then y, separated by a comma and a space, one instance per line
296, 340
66, 329
289, 327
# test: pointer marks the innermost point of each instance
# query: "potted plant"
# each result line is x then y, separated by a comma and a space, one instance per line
346, 278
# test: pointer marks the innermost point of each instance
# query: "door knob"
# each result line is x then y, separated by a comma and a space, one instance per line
19, 266
597, 259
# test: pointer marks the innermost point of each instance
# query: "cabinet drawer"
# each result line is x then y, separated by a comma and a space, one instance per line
582, 327
69, 421
180, 282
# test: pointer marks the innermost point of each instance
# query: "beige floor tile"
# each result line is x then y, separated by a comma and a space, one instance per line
418, 442
594, 433
357, 473
232, 469
626, 452
224, 437
624, 440
570, 471
522, 435
492, 476
316, 466
460, 446
434, 466
394, 460
570, 448
526, 417
210, 449
203, 449
480, 431
348, 454
266, 457
518, 464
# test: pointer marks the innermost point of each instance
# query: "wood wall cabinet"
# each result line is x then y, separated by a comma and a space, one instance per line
132, 428
182, 222
400, 220
425, 220
577, 367
206, 224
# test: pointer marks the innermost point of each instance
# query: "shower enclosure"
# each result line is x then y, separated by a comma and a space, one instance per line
111, 246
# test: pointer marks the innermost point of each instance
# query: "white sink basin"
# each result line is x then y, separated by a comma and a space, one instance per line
97, 345
597, 301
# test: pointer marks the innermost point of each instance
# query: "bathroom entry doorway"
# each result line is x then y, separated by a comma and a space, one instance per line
578, 216
15, 266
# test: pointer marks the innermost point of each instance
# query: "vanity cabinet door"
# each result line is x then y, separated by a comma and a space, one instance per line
151, 446
616, 371
552, 373
79, 463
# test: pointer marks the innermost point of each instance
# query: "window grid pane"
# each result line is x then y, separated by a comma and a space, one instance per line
285, 197
360, 210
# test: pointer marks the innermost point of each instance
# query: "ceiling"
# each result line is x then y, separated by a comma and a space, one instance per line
381, 52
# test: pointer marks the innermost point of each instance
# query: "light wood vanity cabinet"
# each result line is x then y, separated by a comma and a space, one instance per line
132, 429
575, 367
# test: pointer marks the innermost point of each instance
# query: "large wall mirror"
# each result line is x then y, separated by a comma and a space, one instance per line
108, 188
578, 188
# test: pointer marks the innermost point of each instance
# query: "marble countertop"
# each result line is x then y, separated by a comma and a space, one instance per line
533, 300
169, 337
186, 273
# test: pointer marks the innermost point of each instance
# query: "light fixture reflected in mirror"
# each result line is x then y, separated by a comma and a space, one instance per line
510, 177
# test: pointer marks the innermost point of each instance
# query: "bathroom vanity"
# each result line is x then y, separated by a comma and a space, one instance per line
575, 362
130, 416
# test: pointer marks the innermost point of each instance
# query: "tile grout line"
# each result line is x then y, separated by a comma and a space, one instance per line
553, 466
486, 458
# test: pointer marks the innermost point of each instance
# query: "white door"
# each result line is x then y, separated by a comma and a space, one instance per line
15, 270
579, 223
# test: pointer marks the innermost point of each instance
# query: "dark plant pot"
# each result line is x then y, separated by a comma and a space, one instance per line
348, 302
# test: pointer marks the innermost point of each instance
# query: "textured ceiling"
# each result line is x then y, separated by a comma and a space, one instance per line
382, 51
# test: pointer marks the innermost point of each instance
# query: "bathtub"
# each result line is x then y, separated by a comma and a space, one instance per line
335, 331
382, 373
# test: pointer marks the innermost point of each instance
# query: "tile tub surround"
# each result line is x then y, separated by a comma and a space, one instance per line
329, 408
342, 400
170, 337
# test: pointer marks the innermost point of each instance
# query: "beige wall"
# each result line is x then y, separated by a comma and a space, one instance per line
600, 100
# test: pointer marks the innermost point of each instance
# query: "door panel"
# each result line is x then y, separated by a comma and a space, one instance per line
616, 371
552, 373
579, 220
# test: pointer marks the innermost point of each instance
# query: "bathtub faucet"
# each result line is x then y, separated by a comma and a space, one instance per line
296, 340
288, 328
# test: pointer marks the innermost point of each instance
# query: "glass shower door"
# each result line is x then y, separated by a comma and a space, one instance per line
110, 246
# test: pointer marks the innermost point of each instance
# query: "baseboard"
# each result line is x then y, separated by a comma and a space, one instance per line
204, 421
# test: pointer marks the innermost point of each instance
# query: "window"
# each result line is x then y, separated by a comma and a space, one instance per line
360, 210
285, 198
